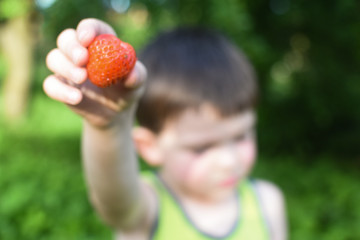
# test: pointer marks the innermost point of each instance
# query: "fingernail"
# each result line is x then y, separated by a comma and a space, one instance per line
134, 80
139, 80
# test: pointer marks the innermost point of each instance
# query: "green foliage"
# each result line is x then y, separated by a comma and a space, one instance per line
310, 78
322, 197
43, 194
68, 13
306, 54
306, 59
13, 8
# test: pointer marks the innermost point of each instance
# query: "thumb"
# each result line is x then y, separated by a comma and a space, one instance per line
89, 28
137, 76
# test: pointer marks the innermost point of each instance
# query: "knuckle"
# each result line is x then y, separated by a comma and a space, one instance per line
85, 22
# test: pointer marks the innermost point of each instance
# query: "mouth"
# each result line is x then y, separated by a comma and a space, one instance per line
229, 182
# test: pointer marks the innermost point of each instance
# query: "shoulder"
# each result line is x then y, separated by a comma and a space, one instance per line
269, 191
146, 223
150, 197
273, 205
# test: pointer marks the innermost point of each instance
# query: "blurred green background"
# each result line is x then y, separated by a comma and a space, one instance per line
306, 54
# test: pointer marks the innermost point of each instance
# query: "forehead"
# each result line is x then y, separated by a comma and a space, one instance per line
205, 124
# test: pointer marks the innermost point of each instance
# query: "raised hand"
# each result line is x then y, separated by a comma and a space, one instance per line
69, 84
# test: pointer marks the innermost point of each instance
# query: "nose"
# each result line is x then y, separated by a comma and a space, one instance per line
227, 156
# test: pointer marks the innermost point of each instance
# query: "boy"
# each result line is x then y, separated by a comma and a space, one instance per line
195, 108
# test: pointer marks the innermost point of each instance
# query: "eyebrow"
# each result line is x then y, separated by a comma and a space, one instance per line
210, 142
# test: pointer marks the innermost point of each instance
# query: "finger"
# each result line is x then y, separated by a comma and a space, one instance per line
137, 76
60, 91
89, 28
68, 43
60, 64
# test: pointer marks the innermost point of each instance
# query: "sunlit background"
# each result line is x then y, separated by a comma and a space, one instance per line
306, 54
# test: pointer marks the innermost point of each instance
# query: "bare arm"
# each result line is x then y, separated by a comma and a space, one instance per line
273, 204
108, 153
112, 172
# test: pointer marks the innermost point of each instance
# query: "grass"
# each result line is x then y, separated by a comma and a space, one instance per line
43, 193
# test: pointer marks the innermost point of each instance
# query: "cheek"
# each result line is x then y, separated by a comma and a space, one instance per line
182, 165
247, 151
195, 171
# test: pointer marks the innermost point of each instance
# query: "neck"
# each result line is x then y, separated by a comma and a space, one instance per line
188, 196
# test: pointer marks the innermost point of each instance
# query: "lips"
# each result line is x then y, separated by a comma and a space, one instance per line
229, 182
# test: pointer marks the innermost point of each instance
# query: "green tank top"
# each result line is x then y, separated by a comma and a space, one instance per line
173, 224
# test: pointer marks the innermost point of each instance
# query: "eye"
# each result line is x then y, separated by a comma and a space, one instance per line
245, 136
240, 138
200, 149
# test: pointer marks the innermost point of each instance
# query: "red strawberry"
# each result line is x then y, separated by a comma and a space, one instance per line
110, 60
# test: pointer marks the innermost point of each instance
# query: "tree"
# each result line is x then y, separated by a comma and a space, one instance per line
16, 42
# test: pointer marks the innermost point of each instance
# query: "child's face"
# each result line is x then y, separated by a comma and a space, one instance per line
206, 155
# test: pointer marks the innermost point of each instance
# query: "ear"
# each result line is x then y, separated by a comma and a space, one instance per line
146, 144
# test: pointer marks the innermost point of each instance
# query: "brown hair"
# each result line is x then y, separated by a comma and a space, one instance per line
191, 66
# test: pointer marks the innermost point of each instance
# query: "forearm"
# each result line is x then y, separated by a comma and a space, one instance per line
111, 169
